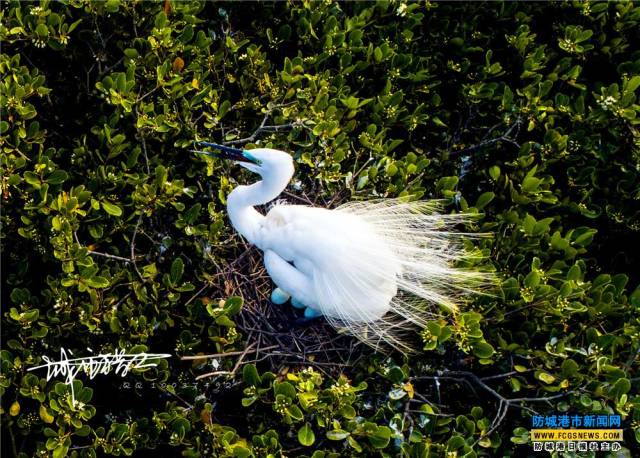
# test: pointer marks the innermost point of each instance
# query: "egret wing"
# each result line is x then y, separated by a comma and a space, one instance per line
352, 273
381, 269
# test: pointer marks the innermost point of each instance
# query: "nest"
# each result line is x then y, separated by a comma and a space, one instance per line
278, 338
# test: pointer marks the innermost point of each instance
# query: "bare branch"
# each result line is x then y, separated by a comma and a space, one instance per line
132, 246
192, 298
506, 374
175, 395
504, 403
110, 256
144, 151
265, 128
243, 354
97, 253
223, 355
262, 128
147, 94
506, 137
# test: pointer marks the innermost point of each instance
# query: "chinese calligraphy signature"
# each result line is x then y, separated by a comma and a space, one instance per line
119, 362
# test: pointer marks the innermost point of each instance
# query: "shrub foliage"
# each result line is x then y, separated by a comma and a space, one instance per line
112, 230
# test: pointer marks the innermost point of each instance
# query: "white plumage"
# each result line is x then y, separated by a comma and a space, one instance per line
377, 269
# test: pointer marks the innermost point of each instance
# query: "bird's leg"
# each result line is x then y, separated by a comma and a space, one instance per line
278, 296
297, 304
304, 321
288, 278
311, 313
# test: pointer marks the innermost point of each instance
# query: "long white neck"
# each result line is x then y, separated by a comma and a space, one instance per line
240, 202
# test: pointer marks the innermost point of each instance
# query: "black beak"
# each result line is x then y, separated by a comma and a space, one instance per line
225, 152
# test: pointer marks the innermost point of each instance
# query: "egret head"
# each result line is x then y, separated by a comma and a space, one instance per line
266, 162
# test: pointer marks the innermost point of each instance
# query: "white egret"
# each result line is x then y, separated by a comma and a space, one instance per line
375, 268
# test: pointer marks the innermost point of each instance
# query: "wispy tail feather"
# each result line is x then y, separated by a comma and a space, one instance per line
428, 249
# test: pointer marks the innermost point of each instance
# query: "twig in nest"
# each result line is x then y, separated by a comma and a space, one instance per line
192, 298
273, 326
243, 354
223, 355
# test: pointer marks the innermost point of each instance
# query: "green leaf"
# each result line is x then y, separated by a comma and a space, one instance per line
111, 209
483, 349
377, 54
569, 367
233, 305
632, 84
455, 443
224, 320
83, 431
545, 377
161, 176
32, 179
530, 184
241, 452
354, 444
246, 402
160, 20
396, 374
337, 435
57, 177
532, 279
391, 170
177, 269
634, 298
622, 386
60, 451
250, 375
348, 412
285, 388
131, 53
45, 415
507, 97
295, 412
223, 109
97, 282
42, 30
381, 437
484, 199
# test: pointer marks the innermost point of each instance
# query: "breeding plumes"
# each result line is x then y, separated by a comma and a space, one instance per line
378, 269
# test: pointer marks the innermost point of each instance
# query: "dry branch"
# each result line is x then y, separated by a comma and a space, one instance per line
506, 137
504, 403
263, 127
